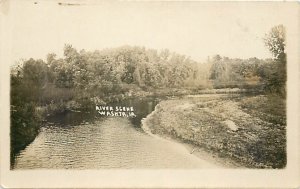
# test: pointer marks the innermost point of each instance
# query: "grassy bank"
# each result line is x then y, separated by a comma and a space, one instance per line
249, 130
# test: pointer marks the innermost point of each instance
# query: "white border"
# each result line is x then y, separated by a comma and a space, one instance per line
205, 178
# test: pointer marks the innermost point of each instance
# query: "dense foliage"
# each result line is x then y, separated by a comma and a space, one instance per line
82, 78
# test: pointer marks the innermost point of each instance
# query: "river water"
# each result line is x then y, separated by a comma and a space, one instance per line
81, 141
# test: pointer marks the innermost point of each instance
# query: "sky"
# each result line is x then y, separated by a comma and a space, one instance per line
194, 29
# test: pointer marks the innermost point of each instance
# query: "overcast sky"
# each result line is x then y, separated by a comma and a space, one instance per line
195, 29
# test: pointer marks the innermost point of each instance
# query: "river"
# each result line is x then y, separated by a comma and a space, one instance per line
78, 140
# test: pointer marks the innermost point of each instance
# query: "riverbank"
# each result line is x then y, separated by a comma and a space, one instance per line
244, 130
22, 136
191, 148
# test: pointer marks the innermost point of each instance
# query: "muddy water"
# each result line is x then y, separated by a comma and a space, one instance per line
73, 142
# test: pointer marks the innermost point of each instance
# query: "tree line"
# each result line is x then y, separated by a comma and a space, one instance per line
84, 76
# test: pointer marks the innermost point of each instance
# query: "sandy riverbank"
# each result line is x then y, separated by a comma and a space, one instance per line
226, 129
208, 159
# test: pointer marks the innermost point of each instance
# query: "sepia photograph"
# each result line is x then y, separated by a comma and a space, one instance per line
148, 85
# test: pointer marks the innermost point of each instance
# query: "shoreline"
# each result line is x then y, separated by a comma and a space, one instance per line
193, 149
226, 130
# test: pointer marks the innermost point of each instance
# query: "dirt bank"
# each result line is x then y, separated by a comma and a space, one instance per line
241, 130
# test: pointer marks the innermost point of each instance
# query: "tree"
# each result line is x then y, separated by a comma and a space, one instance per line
275, 42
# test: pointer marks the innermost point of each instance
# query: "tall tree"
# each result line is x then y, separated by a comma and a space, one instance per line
275, 42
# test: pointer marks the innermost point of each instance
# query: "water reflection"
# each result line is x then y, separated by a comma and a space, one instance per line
142, 107
78, 140
71, 118
109, 143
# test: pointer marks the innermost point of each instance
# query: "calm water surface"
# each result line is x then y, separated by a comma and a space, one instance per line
75, 141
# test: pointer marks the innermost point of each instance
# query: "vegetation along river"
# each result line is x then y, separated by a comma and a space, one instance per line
79, 140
